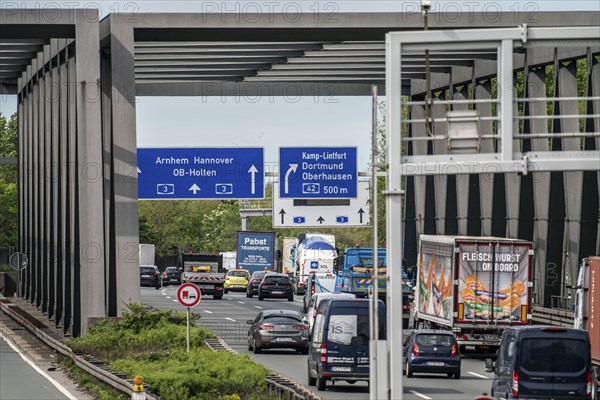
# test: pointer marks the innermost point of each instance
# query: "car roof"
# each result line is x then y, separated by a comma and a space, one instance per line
533, 329
433, 331
293, 313
334, 296
148, 266
269, 274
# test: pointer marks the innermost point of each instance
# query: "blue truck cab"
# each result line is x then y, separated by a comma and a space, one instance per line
357, 266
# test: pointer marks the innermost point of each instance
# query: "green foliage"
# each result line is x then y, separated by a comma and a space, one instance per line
199, 374
153, 344
139, 333
8, 216
8, 147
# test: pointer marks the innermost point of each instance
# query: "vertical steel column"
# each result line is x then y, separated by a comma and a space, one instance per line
483, 90
53, 181
21, 177
89, 182
62, 286
45, 125
505, 92
37, 223
121, 153
573, 179
29, 272
394, 215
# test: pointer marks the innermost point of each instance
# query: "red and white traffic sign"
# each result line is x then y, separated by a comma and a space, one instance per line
188, 295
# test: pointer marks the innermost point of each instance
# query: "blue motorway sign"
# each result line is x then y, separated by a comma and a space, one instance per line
317, 172
200, 173
255, 250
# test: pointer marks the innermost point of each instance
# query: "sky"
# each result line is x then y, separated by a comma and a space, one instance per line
270, 122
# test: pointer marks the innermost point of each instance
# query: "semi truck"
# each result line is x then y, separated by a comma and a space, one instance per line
356, 274
474, 286
314, 253
204, 270
587, 312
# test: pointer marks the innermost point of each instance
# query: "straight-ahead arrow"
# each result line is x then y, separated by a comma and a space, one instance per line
320, 220
194, 188
282, 213
253, 172
361, 212
291, 169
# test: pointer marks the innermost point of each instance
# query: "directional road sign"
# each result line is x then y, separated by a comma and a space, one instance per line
317, 172
188, 295
294, 213
200, 173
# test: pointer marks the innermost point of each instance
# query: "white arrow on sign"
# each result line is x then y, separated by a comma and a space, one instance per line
194, 188
139, 170
253, 172
291, 169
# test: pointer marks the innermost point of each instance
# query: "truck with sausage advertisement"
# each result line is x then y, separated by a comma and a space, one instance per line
474, 286
587, 313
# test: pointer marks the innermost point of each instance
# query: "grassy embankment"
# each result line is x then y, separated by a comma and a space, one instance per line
153, 344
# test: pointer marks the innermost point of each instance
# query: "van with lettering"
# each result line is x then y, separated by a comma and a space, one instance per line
473, 286
339, 341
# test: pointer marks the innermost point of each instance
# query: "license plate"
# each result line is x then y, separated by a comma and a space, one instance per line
277, 292
341, 369
283, 339
145, 276
206, 286
435, 363
173, 279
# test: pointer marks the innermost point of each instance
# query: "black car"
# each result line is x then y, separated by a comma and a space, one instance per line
276, 286
255, 280
432, 351
150, 276
548, 362
172, 275
278, 329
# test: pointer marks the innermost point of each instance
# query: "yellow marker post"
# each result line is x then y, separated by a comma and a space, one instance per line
138, 388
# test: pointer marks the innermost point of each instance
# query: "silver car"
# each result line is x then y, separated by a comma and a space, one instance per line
276, 329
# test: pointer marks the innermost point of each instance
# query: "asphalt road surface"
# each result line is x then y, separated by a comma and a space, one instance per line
227, 319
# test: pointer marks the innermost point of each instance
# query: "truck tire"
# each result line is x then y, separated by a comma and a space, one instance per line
225, 291
260, 297
217, 297
291, 298
249, 295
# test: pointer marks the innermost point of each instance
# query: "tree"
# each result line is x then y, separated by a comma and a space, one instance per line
8, 181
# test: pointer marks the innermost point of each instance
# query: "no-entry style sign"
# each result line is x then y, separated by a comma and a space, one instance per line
188, 295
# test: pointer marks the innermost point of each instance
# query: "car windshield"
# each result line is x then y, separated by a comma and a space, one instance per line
258, 275
277, 279
171, 269
242, 274
553, 355
146, 270
434, 340
282, 319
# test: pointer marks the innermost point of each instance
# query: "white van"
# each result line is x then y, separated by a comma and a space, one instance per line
316, 299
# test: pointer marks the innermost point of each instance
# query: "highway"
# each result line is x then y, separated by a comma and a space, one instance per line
227, 319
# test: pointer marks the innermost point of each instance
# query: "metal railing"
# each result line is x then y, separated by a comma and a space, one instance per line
256, 204
91, 366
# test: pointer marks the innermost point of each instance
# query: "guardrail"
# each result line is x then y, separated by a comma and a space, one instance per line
257, 204
552, 316
91, 366
277, 385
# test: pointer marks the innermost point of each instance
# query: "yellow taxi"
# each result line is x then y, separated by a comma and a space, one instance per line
236, 280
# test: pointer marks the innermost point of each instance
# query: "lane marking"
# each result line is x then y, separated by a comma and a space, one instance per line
477, 375
258, 307
420, 395
241, 302
168, 297
230, 319
37, 369
208, 312
176, 301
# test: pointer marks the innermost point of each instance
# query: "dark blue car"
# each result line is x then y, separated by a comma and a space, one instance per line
432, 351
